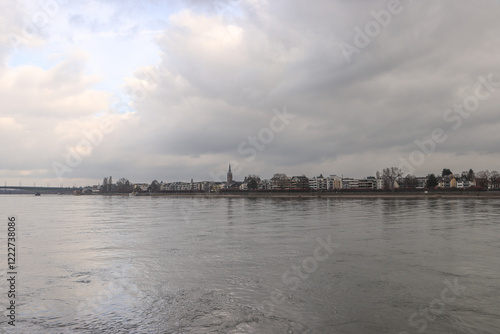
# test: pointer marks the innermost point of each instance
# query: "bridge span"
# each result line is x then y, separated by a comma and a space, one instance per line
33, 190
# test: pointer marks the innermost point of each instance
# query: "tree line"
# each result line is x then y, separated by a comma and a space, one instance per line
483, 179
392, 178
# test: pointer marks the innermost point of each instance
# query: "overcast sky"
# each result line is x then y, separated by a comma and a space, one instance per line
174, 90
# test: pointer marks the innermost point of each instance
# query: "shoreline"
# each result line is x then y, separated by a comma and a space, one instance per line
396, 195
305, 194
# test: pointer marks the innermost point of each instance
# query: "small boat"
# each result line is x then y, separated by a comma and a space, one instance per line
37, 193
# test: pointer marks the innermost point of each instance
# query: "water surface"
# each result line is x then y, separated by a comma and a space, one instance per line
98, 264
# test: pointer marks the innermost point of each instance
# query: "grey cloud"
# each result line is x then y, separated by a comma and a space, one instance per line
393, 93
221, 76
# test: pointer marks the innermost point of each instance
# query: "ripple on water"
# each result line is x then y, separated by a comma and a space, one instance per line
212, 311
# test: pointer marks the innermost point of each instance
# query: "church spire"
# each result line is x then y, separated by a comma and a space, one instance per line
229, 177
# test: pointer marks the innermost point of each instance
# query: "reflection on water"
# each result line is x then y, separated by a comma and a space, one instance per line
94, 264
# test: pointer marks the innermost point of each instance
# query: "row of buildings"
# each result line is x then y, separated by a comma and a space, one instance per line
334, 182
317, 183
300, 183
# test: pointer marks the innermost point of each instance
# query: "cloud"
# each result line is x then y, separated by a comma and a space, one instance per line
44, 110
221, 75
223, 67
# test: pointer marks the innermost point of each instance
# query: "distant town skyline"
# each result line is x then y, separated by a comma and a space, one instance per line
492, 178
175, 90
224, 176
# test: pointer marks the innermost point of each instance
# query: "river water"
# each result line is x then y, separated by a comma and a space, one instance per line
98, 264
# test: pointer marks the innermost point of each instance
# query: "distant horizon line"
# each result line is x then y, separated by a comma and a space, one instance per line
61, 184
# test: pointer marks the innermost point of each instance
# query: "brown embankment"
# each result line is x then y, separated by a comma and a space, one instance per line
417, 194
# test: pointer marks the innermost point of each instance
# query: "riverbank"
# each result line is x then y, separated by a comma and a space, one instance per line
342, 194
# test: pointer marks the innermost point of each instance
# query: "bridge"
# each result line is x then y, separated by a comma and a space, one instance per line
35, 189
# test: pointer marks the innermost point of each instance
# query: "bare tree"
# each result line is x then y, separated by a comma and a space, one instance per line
390, 176
410, 182
154, 187
495, 180
446, 172
431, 182
104, 186
252, 181
470, 175
483, 179
123, 186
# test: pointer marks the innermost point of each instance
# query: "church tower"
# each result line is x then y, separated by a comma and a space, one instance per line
229, 177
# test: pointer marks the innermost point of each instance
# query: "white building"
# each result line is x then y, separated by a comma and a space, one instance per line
333, 182
350, 184
141, 186
318, 183
265, 185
